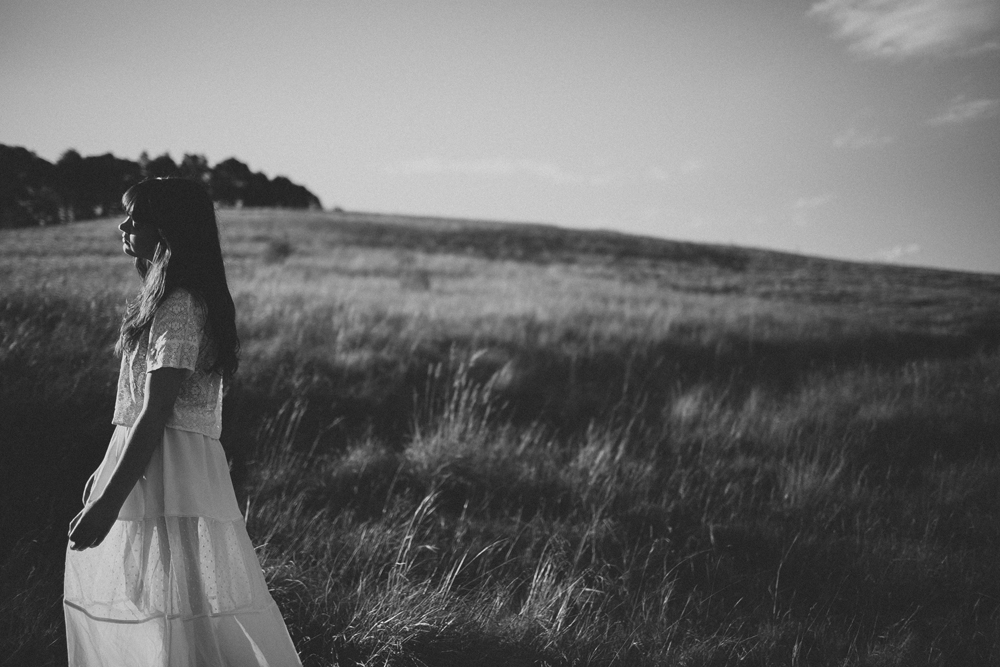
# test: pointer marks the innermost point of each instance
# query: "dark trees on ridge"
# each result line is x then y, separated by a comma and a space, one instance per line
33, 191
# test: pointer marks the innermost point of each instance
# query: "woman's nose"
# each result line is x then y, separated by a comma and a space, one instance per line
122, 226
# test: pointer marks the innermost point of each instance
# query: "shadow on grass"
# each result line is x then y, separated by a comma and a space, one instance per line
564, 391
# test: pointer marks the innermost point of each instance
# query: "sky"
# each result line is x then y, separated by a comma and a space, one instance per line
865, 130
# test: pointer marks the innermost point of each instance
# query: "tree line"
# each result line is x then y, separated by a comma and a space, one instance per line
34, 191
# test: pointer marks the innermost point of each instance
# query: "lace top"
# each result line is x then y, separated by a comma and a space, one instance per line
176, 340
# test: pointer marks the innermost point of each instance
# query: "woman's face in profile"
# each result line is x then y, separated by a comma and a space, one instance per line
138, 240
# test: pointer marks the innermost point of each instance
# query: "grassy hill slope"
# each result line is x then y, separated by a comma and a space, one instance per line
465, 442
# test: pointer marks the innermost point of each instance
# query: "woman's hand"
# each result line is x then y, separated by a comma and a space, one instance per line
92, 524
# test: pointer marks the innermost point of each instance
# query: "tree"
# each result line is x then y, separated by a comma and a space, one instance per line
26, 193
105, 178
230, 181
290, 195
34, 191
195, 167
69, 183
89, 187
161, 166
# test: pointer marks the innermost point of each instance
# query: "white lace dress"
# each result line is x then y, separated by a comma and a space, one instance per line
176, 582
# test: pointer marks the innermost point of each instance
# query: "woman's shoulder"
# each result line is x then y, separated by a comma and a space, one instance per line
183, 296
181, 301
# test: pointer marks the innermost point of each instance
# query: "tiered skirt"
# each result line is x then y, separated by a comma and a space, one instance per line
176, 583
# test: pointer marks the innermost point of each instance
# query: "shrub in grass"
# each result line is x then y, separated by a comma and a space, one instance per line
277, 251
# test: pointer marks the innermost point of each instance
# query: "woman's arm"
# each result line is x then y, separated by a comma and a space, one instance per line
93, 523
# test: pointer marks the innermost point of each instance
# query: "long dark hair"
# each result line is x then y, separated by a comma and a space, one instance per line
188, 255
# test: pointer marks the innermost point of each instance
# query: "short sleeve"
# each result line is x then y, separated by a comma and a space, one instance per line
175, 334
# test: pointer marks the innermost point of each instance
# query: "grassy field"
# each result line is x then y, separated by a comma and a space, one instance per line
467, 443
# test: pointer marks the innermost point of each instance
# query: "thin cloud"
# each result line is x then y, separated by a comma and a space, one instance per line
986, 47
900, 29
694, 166
856, 139
898, 252
808, 203
660, 174
688, 168
546, 171
961, 110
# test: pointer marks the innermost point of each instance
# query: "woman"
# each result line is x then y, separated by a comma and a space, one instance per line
160, 570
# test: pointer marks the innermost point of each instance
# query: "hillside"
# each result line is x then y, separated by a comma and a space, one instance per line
478, 443
901, 298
